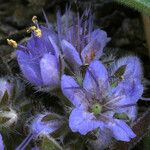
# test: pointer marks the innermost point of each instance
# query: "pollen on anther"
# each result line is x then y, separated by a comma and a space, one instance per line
12, 43
38, 32
34, 19
32, 28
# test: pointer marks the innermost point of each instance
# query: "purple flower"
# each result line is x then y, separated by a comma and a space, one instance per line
39, 60
80, 42
1, 143
42, 125
100, 104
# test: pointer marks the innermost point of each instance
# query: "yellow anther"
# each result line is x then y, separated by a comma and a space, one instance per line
32, 28
34, 19
38, 32
12, 43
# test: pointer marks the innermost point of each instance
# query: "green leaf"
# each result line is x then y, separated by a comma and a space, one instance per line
4, 99
139, 5
70, 138
50, 117
120, 71
49, 143
122, 116
114, 84
60, 131
3, 120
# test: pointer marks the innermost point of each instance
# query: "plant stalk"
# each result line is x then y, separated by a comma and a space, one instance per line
146, 23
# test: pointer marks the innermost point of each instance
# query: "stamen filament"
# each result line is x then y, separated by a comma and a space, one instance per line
26, 141
145, 99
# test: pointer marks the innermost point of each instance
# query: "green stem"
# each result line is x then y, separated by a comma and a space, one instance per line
146, 22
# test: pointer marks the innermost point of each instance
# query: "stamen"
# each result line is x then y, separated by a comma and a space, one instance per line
74, 39
66, 20
47, 22
87, 94
59, 24
127, 105
113, 100
32, 28
12, 43
90, 25
34, 19
145, 99
78, 32
38, 32
26, 141
98, 90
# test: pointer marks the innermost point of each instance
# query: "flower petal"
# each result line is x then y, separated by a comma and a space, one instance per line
29, 67
1, 143
71, 54
96, 78
104, 138
39, 127
121, 131
50, 40
50, 70
89, 52
131, 112
39, 46
83, 122
131, 89
95, 47
133, 67
55, 47
72, 91
101, 36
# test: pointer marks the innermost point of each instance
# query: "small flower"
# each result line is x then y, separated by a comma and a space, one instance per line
42, 125
39, 60
100, 104
80, 42
1, 143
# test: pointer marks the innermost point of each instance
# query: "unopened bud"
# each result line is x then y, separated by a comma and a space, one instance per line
6, 87
8, 117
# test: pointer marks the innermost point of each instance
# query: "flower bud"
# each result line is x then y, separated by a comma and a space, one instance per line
8, 117
6, 88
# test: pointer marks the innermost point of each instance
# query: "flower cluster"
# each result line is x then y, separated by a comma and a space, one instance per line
102, 97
